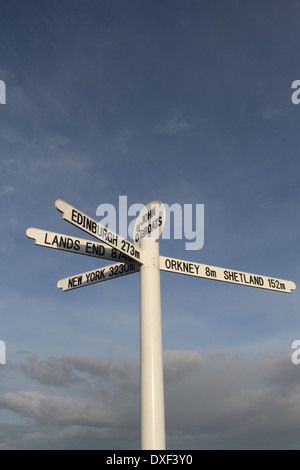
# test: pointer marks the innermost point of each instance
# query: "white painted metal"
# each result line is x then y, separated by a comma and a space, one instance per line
224, 274
97, 275
148, 228
150, 222
152, 384
97, 230
81, 246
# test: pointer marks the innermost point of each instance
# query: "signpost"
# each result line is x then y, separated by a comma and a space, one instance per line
148, 227
143, 256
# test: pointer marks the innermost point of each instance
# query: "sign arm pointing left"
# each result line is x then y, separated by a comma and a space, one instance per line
59, 241
97, 275
94, 228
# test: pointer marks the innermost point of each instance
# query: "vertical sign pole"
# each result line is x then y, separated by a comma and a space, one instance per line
149, 222
152, 384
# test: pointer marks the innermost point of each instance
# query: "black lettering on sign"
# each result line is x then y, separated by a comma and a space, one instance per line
119, 269
55, 240
102, 274
256, 280
182, 266
231, 276
45, 241
105, 234
84, 221
150, 227
88, 247
190, 268
95, 276
63, 242
125, 246
186, 267
116, 270
75, 281
73, 216
94, 249
148, 216
276, 284
77, 245
98, 249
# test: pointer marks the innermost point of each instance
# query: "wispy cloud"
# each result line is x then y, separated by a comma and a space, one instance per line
123, 140
57, 140
62, 160
270, 114
7, 189
175, 124
12, 136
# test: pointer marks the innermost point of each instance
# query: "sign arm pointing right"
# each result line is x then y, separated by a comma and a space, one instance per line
226, 275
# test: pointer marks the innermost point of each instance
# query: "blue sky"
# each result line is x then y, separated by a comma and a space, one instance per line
181, 101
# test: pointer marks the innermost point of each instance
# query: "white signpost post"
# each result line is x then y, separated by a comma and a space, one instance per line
148, 228
143, 256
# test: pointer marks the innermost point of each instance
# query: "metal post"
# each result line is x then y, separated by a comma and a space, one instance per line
152, 384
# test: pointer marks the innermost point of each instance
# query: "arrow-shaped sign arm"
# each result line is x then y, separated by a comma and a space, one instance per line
226, 275
97, 230
77, 245
97, 275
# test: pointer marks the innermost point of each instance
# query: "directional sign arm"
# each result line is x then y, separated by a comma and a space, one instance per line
226, 275
97, 230
77, 245
97, 275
